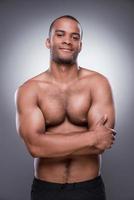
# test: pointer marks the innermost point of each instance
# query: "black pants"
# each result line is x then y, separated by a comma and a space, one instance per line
86, 190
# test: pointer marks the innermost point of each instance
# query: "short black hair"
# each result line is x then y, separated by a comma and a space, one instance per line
65, 16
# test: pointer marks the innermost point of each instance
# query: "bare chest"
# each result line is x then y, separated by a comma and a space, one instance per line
58, 105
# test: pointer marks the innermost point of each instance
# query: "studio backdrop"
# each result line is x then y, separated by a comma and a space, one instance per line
108, 47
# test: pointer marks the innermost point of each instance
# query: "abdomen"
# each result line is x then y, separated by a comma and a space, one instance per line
69, 168
63, 170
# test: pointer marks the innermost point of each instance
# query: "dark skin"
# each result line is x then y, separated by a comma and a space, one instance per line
66, 115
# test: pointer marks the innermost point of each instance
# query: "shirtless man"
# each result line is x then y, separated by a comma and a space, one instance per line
66, 116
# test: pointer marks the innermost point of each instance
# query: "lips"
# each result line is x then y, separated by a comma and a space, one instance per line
66, 49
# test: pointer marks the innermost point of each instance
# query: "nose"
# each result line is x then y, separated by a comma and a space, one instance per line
67, 40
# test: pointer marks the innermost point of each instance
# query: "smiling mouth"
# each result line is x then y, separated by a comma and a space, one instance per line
66, 49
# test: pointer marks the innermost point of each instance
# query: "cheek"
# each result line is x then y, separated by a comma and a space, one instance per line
77, 47
54, 49
54, 44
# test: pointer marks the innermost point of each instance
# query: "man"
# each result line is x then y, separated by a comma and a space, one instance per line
66, 117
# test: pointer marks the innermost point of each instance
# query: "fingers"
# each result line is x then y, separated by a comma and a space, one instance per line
112, 141
102, 120
113, 131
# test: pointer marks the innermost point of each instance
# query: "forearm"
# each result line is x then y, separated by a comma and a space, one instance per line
55, 145
87, 151
90, 150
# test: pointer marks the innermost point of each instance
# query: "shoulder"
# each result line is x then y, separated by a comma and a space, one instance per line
25, 95
27, 88
95, 78
32, 85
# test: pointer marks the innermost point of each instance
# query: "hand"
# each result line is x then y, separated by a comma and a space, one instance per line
104, 137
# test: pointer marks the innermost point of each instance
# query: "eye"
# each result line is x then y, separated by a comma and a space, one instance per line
75, 37
59, 34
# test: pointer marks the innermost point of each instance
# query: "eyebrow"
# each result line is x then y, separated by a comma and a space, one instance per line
73, 33
59, 31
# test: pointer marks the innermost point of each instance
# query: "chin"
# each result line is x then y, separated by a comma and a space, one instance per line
65, 61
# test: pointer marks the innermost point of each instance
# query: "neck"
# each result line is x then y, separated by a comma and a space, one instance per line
64, 73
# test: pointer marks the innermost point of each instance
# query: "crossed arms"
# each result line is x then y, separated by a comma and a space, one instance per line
30, 124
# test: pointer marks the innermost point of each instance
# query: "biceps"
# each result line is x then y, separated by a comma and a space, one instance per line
98, 110
30, 122
102, 103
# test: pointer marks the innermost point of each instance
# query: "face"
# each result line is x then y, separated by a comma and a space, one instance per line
65, 41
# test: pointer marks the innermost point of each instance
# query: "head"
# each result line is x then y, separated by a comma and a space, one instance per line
65, 40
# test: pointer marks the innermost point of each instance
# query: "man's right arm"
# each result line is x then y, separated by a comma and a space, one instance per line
30, 124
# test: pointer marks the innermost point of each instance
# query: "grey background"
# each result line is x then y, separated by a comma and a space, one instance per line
107, 47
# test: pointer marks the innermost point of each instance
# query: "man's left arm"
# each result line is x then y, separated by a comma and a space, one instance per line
102, 104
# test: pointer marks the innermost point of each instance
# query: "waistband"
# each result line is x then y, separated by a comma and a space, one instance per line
89, 184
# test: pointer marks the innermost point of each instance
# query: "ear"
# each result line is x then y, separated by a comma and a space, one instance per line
80, 46
47, 43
